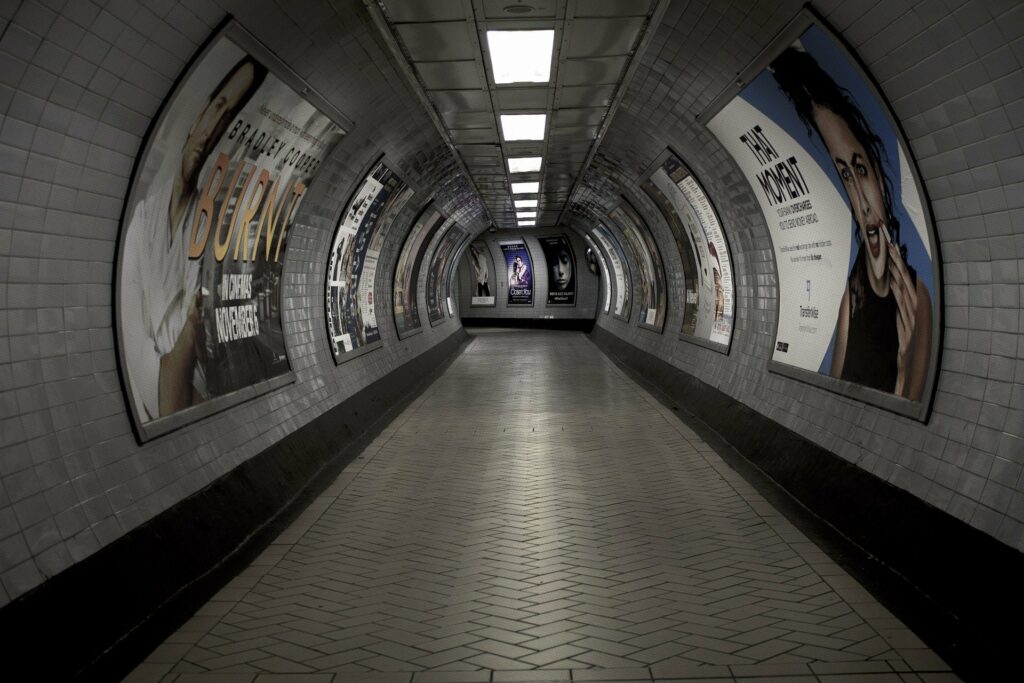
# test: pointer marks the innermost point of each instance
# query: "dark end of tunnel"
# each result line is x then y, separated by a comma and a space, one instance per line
562, 324
953, 585
98, 619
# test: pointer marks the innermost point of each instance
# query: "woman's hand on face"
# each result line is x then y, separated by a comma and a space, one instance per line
905, 292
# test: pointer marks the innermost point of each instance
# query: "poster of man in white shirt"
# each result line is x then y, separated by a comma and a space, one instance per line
203, 238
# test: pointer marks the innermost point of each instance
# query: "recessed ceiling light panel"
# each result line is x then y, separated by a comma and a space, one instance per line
524, 164
521, 56
526, 203
523, 126
525, 188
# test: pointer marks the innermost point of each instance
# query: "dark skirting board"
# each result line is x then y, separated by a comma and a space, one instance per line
570, 324
99, 618
958, 588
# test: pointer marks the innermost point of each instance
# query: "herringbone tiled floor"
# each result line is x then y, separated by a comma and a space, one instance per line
537, 516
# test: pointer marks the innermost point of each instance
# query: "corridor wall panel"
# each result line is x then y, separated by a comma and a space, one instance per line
79, 87
953, 75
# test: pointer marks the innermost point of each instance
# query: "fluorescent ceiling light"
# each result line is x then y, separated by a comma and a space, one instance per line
521, 56
524, 188
523, 126
526, 224
526, 214
526, 203
524, 164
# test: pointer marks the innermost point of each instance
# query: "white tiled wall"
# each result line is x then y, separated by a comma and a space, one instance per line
79, 83
952, 70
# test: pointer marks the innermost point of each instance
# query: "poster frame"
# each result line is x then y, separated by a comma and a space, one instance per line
394, 269
443, 302
603, 268
644, 178
453, 271
917, 410
625, 205
547, 266
627, 274
521, 239
494, 271
380, 158
229, 28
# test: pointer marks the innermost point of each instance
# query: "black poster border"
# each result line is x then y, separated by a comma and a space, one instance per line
920, 411
232, 30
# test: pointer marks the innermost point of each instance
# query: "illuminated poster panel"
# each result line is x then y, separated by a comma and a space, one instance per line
855, 251
623, 284
653, 299
519, 270
482, 274
561, 264
709, 305
436, 280
407, 271
204, 234
451, 271
352, 263
603, 271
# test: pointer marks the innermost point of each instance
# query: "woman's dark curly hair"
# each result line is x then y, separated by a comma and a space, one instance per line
807, 85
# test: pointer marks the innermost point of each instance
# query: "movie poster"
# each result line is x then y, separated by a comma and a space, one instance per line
436, 280
707, 267
602, 271
204, 235
653, 302
352, 262
857, 283
407, 270
482, 274
623, 293
561, 270
519, 270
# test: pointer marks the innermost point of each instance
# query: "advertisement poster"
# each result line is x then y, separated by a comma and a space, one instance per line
482, 273
708, 309
561, 270
602, 271
623, 295
519, 270
854, 250
352, 263
439, 267
204, 236
407, 270
653, 300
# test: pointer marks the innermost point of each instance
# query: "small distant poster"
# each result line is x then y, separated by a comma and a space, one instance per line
352, 263
482, 274
519, 269
707, 266
561, 270
439, 265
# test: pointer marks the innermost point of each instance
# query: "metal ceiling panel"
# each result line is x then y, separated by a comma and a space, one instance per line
461, 100
592, 71
400, 11
474, 135
613, 8
603, 37
469, 119
450, 75
564, 118
495, 9
523, 98
586, 96
439, 42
